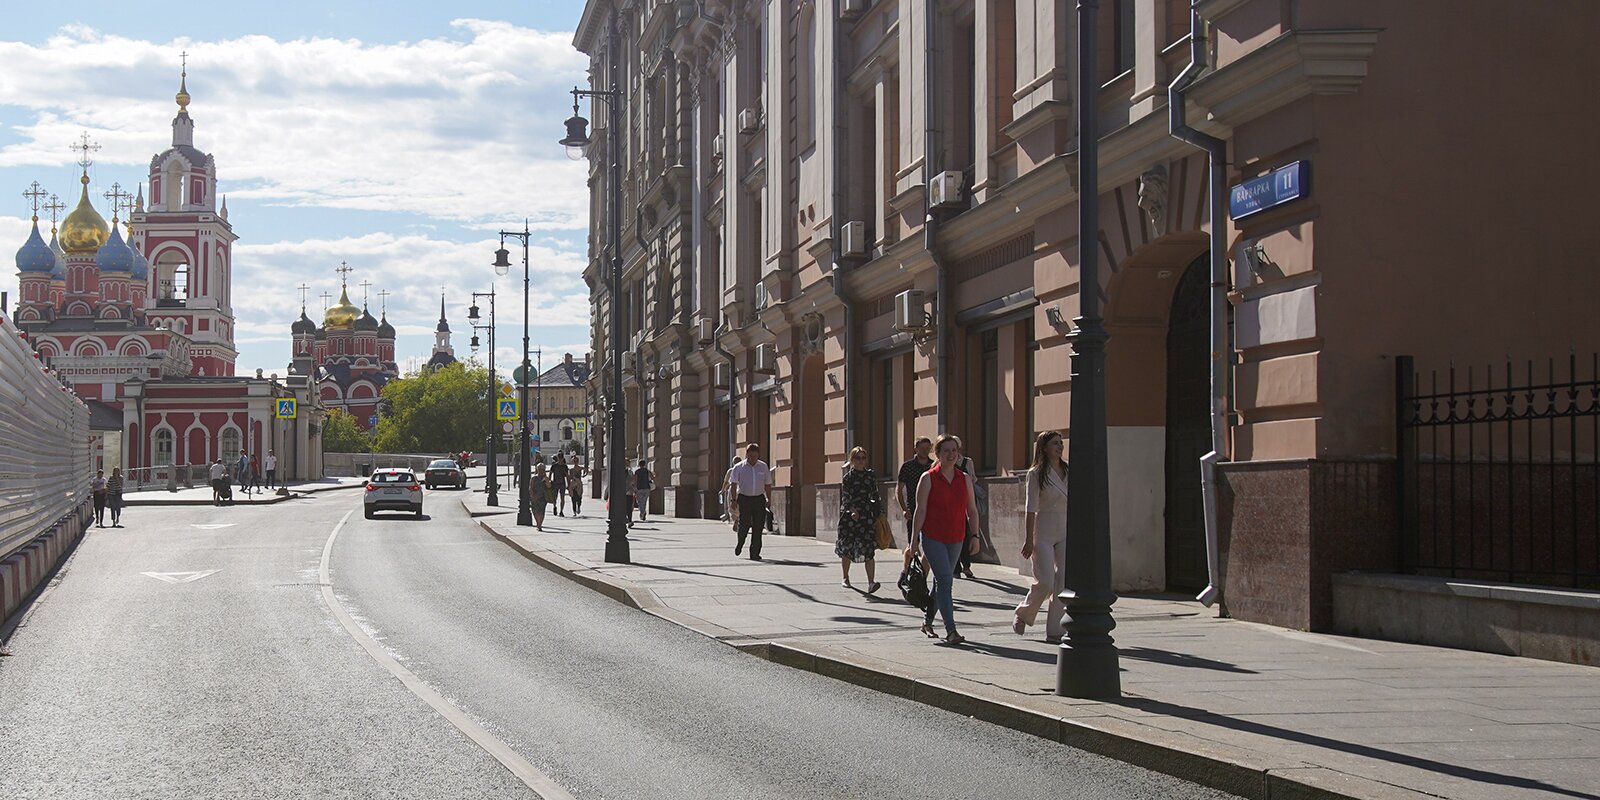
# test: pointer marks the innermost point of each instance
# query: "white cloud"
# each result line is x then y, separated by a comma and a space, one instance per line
461, 129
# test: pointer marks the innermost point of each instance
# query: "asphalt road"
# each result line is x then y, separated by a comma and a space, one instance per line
244, 682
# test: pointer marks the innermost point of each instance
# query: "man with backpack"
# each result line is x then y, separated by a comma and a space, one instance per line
642, 483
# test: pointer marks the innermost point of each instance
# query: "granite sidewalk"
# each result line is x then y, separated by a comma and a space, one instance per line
1259, 711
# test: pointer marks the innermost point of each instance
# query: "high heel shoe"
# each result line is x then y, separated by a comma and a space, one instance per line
927, 630
955, 639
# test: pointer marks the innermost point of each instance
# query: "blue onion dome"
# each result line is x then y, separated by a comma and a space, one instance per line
385, 330
366, 322
60, 272
115, 255
303, 325
141, 265
35, 255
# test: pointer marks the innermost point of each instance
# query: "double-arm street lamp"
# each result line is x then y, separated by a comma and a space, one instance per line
577, 141
502, 265
491, 484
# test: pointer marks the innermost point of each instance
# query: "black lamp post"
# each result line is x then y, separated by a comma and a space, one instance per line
502, 265
1086, 665
576, 142
491, 484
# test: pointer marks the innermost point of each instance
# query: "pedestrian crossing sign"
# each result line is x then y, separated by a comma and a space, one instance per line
580, 426
507, 409
287, 408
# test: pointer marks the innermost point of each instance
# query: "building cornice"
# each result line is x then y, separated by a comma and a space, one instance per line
1295, 65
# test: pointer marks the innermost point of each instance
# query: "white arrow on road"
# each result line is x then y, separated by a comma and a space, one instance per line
180, 577
215, 526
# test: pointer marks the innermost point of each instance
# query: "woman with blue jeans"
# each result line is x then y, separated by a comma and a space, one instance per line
945, 501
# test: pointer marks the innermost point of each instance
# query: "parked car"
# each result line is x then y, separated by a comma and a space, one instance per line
392, 489
445, 472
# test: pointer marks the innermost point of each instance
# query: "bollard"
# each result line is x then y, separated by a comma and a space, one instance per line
188, 478
172, 479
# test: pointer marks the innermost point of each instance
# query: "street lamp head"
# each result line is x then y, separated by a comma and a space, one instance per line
577, 138
472, 312
474, 342
502, 260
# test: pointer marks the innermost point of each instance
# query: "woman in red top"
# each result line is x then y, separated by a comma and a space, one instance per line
945, 501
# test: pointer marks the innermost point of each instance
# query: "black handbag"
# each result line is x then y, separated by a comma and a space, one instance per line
913, 585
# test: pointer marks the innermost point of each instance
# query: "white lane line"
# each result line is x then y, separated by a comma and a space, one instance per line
180, 577
531, 776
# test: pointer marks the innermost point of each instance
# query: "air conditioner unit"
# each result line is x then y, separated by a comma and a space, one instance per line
708, 331
851, 9
853, 239
723, 374
716, 146
909, 313
945, 189
749, 120
766, 359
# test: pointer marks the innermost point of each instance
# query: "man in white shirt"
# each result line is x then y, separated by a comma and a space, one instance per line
219, 479
751, 480
272, 470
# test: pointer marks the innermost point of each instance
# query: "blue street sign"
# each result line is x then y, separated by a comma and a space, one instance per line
372, 420
1286, 183
287, 409
506, 409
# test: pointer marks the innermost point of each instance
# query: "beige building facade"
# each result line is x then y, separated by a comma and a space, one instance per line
851, 223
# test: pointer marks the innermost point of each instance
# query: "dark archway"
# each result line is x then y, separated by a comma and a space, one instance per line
1188, 427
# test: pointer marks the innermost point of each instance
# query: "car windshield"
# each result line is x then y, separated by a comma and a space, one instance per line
393, 477
442, 463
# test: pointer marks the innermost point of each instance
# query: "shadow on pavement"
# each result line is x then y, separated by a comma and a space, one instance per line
1180, 660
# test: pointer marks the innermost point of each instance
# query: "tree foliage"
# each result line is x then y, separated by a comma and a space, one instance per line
436, 411
341, 434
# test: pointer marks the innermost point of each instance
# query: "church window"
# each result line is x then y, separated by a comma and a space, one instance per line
230, 446
163, 448
566, 434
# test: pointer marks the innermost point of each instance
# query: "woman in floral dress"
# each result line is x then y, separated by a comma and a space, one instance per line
860, 503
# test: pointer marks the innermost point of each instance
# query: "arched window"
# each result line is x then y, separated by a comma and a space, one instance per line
230, 446
805, 84
163, 448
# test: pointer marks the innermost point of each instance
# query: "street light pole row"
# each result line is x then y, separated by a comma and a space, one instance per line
502, 265
492, 482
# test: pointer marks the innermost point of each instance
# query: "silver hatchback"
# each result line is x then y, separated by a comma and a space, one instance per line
392, 489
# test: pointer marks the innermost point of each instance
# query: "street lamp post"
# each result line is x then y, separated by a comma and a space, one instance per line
576, 142
1086, 665
502, 265
491, 485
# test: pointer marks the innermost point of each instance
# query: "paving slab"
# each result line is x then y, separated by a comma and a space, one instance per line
1260, 711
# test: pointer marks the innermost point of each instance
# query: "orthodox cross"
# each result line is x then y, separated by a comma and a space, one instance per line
185, 56
128, 207
55, 207
116, 196
35, 193
84, 148
383, 297
344, 271
303, 289
365, 285
326, 299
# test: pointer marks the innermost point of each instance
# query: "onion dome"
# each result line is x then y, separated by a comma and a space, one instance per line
303, 325
60, 272
84, 231
115, 255
366, 322
342, 315
35, 255
385, 330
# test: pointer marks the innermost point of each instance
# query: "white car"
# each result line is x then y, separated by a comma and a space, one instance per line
392, 489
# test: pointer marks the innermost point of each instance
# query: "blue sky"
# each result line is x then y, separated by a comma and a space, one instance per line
395, 136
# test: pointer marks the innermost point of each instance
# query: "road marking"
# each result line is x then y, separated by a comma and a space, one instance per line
180, 577
215, 526
531, 776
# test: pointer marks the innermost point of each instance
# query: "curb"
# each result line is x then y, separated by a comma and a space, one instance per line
1223, 767
293, 494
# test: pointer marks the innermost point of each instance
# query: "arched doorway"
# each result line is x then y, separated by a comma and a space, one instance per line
1188, 428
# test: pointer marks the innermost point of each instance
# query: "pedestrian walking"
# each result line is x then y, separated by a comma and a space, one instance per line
272, 470
643, 482
860, 503
114, 496
969, 549
219, 481
751, 479
538, 494
255, 474
241, 471
558, 480
1045, 542
730, 498
575, 487
97, 493
905, 489
945, 502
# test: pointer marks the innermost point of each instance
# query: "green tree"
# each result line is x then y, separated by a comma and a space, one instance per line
436, 411
341, 434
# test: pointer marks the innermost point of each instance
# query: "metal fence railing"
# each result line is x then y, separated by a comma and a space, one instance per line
1498, 471
45, 462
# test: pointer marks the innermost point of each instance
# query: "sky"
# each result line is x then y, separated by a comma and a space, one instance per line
398, 137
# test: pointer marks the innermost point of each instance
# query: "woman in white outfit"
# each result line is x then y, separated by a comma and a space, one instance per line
1046, 541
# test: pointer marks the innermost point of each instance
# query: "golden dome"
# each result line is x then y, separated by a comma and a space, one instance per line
183, 93
341, 316
84, 230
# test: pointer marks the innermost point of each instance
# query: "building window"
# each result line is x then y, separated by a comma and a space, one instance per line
230, 446
566, 434
805, 92
989, 443
889, 443
163, 448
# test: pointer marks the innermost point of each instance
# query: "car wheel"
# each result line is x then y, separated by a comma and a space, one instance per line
419, 512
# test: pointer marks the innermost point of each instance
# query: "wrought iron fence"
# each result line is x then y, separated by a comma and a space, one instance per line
1498, 475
